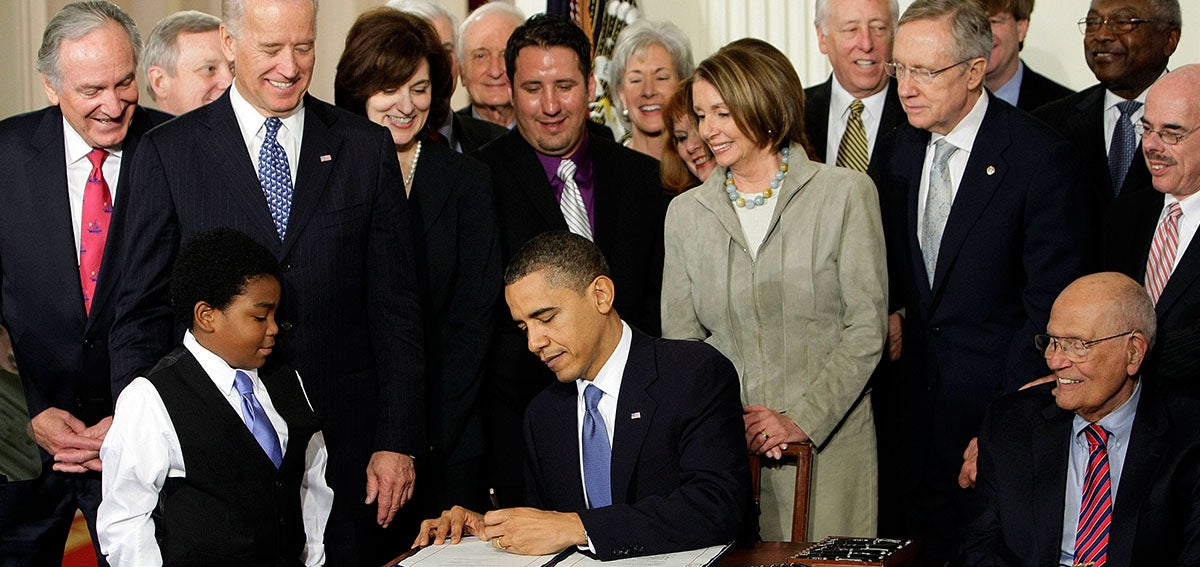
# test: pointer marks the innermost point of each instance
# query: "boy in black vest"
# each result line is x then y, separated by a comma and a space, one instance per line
215, 457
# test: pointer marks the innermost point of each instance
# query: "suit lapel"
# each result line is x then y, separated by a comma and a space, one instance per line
47, 182
1051, 453
1186, 272
236, 169
606, 193
712, 197
313, 169
1143, 457
817, 108
565, 440
910, 149
893, 112
635, 413
435, 172
985, 171
526, 173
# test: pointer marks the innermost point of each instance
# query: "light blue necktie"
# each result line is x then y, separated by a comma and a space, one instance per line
275, 177
596, 452
1124, 144
256, 418
938, 200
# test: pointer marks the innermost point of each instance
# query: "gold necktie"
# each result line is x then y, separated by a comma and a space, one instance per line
852, 151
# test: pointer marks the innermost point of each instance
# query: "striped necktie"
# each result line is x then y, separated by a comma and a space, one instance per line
571, 202
1095, 508
852, 151
1161, 261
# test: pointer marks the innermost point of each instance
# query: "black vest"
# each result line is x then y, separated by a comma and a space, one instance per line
233, 507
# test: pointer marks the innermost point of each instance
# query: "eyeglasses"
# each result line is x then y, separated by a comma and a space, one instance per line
1075, 349
922, 76
1115, 25
1168, 138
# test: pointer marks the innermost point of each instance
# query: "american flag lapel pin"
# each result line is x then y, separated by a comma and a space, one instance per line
326, 157
635, 415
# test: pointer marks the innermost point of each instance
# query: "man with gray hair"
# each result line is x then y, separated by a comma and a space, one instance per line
464, 133
1101, 466
183, 63
66, 192
984, 230
320, 188
845, 115
481, 41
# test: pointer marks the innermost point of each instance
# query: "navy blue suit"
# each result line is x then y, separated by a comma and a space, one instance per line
61, 350
349, 320
1037, 91
1023, 457
1013, 241
679, 472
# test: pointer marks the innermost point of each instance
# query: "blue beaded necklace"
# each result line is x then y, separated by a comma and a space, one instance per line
758, 200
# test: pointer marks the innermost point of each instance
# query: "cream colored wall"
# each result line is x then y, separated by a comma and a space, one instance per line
1053, 47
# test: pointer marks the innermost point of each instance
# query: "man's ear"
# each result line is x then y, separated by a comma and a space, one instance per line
602, 290
157, 78
1136, 352
204, 317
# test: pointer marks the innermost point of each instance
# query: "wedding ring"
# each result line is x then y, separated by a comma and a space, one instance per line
764, 434
497, 543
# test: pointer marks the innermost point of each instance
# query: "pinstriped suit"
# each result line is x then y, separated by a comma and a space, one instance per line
349, 319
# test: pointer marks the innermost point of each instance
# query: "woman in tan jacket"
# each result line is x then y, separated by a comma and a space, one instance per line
779, 262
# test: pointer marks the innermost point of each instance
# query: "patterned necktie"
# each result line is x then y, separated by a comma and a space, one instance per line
937, 205
93, 226
596, 452
571, 202
275, 176
852, 151
1095, 508
256, 418
1161, 262
1124, 144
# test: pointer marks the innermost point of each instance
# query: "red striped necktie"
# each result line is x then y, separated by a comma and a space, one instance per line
1095, 509
1162, 252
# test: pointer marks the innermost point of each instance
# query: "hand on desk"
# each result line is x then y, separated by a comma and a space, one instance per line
768, 432
524, 531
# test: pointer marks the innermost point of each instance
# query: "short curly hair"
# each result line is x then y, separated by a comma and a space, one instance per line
215, 267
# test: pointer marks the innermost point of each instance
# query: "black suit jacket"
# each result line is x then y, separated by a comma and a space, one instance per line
630, 207
1023, 457
349, 320
1080, 118
1037, 91
62, 351
816, 115
458, 259
472, 133
679, 473
1012, 242
1129, 231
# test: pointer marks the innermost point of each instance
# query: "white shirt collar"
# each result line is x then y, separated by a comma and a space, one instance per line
610, 375
1111, 100
78, 149
840, 99
217, 369
251, 122
964, 133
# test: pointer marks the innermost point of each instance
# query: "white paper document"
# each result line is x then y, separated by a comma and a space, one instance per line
472, 552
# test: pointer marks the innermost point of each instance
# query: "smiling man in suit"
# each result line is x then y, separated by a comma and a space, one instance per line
66, 194
848, 113
552, 173
1008, 77
1151, 235
350, 321
1101, 467
637, 448
983, 231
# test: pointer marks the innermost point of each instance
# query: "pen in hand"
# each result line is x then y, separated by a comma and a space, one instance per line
492, 497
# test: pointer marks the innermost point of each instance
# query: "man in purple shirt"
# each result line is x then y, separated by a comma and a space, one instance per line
549, 173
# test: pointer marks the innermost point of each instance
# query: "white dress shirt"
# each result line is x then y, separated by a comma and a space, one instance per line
839, 113
79, 167
142, 450
1112, 114
254, 130
962, 136
1188, 223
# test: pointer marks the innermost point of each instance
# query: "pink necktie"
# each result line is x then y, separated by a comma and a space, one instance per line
97, 211
1162, 252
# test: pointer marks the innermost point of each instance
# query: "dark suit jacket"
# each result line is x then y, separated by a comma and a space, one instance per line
1037, 91
679, 473
62, 351
458, 259
472, 133
1129, 231
1023, 456
816, 115
349, 320
1080, 118
630, 207
1012, 242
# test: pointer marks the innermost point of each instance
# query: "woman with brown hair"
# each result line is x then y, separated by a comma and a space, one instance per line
686, 161
778, 261
395, 72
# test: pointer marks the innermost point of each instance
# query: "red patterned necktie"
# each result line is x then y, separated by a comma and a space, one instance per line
1162, 252
97, 211
1095, 508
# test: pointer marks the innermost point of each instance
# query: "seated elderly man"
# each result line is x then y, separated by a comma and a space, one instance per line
1102, 467
637, 449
